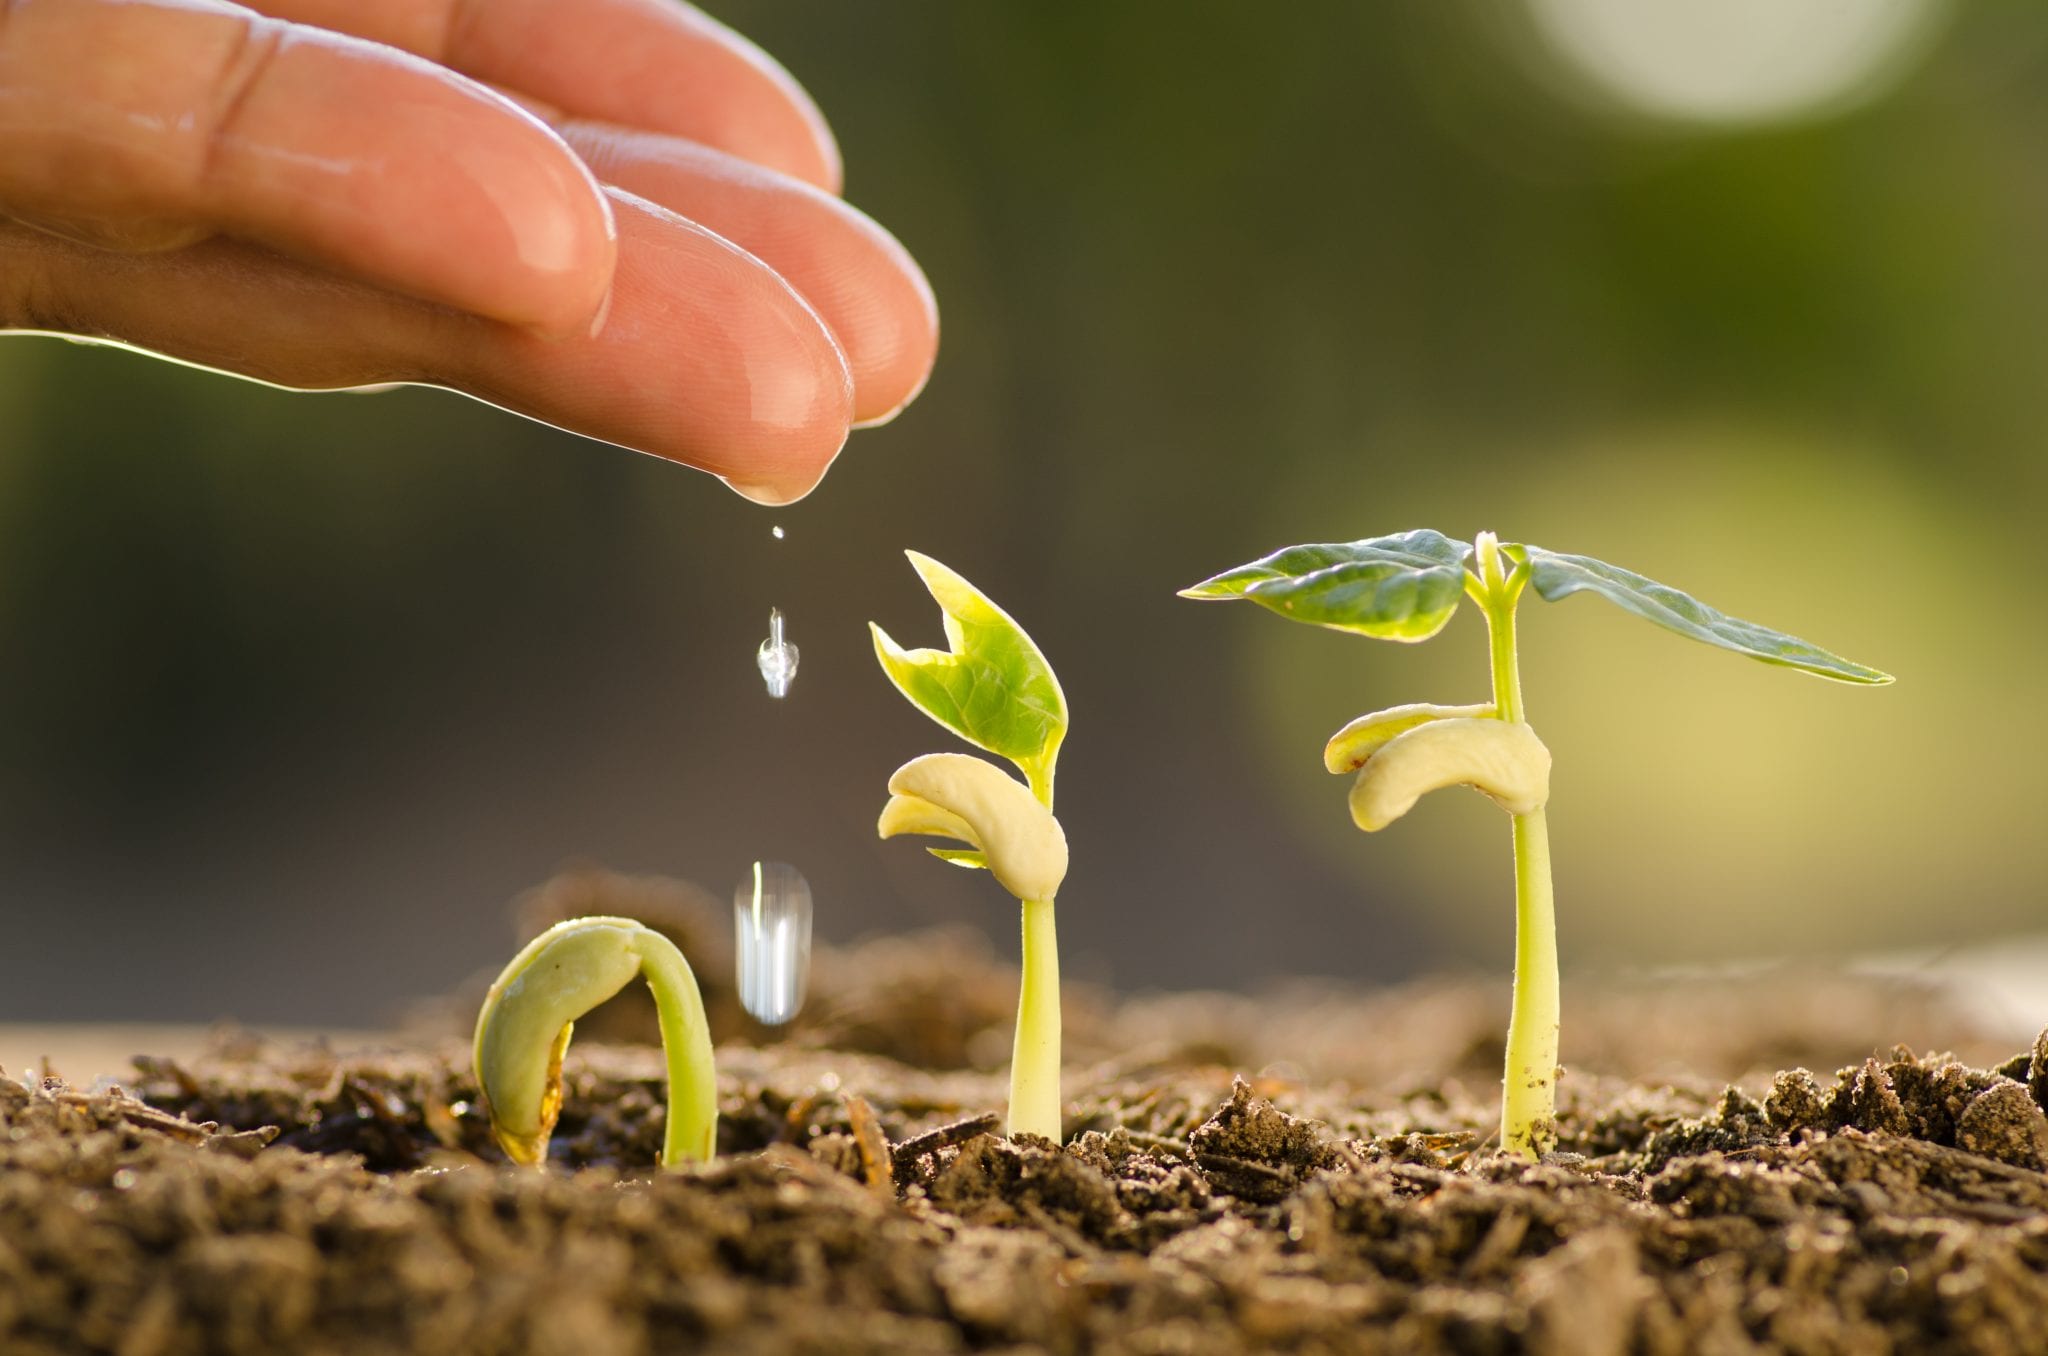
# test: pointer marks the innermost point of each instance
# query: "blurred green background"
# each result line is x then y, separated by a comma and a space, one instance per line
297, 691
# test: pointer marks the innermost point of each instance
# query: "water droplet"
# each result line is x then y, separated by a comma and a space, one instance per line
771, 915
124, 1179
776, 532
776, 658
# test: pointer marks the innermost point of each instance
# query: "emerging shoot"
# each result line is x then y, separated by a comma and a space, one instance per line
1405, 587
523, 1031
993, 688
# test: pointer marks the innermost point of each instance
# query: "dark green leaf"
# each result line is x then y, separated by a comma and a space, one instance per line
1402, 587
1556, 576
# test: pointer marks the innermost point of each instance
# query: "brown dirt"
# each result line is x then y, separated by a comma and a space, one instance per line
1307, 1171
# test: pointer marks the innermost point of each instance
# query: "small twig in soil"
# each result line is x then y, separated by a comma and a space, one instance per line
147, 1117
241, 1143
205, 1134
1224, 1163
875, 1162
1159, 1144
156, 1066
944, 1137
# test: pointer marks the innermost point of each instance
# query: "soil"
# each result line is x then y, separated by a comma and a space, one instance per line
1309, 1170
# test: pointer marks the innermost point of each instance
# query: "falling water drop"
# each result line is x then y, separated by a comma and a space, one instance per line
771, 915
776, 658
776, 531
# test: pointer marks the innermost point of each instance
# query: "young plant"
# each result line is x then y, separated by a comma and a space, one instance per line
993, 688
1405, 587
523, 1031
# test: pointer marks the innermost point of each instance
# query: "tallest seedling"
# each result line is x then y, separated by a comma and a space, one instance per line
1405, 587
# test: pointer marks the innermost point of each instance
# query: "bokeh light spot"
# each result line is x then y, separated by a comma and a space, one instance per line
1737, 62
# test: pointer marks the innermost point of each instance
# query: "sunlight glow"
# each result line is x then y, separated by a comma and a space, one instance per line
1738, 62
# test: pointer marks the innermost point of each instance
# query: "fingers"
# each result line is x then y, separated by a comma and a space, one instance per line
152, 123
865, 286
708, 357
659, 65
706, 351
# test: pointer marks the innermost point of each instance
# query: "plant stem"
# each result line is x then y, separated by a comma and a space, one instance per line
1528, 1108
691, 1133
1035, 1059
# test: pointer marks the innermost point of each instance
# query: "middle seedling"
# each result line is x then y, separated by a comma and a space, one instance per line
993, 688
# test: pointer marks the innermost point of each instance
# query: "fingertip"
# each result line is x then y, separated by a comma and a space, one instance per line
865, 286
888, 416
897, 363
790, 490
769, 401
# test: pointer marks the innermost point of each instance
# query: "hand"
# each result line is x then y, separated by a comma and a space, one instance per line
612, 215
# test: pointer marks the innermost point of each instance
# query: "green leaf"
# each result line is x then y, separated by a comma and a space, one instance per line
1403, 587
993, 687
1556, 576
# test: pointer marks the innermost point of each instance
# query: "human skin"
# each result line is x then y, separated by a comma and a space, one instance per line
616, 216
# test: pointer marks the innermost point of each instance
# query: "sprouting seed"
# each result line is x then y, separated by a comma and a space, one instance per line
771, 917
523, 1032
777, 657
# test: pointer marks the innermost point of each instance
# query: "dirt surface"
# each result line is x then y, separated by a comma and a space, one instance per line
1307, 1171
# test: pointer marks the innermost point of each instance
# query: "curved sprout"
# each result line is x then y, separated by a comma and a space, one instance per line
524, 1026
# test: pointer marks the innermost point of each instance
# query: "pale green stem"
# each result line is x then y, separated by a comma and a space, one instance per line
1038, 773
1035, 1060
1528, 1110
692, 1130
1528, 1107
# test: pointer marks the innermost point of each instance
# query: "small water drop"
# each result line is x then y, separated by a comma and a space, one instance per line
776, 531
776, 658
771, 915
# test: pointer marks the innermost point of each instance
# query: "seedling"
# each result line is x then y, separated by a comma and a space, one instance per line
1405, 587
994, 689
523, 1031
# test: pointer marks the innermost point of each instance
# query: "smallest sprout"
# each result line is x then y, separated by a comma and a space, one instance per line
523, 1032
